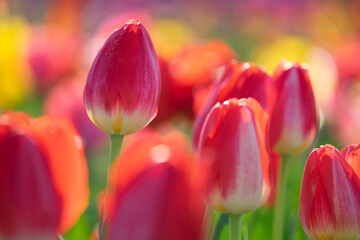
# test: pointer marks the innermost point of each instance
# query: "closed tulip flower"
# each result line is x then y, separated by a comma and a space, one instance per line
330, 197
157, 198
123, 85
293, 125
352, 156
43, 177
239, 80
234, 155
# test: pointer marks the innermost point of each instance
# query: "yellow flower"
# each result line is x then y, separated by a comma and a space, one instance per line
15, 76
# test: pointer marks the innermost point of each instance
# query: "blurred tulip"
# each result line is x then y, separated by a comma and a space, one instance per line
352, 156
123, 85
344, 54
175, 99
345, 112
195, 63
15, 74
66, 100
44, 177
156, 196
66, 14
274, 178
239, 80
194, 66
30, 205
234, 156
330, 196
293, 125
52, 54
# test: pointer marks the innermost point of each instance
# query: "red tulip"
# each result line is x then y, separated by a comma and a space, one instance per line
192, 67
293, 124
274, 178
352, 156
43, 177
233, 154
156, 196
123, 85
330, 196
240, 80
195, 63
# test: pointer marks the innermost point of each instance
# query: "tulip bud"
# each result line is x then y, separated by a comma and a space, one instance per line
30, 205
239, 80
123, 85
234, 155
352, 156
330, 196
293, 124
43, 177
156, 197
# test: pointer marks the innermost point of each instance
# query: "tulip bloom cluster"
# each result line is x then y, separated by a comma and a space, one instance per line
239, 80
330, 194
43, 177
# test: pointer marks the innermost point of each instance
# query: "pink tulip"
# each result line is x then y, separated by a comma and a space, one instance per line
234, 155
239, 80
123, 85
293, 125
330, 196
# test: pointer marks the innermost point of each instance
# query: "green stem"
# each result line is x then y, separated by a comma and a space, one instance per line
220, 224
235, 227
279, 211
115, 148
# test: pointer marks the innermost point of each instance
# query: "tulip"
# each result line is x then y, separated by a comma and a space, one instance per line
183, 73
274, 178
330, 196
30, 205
293, 125
352, 156
123, 85
239, 80
234, 154
53, 53
66, 100
43, 177
156, 196
344, 112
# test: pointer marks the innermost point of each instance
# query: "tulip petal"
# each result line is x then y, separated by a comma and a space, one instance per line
30, 205
352, 156
321, 220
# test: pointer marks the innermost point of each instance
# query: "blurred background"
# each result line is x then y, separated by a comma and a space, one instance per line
47, 47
